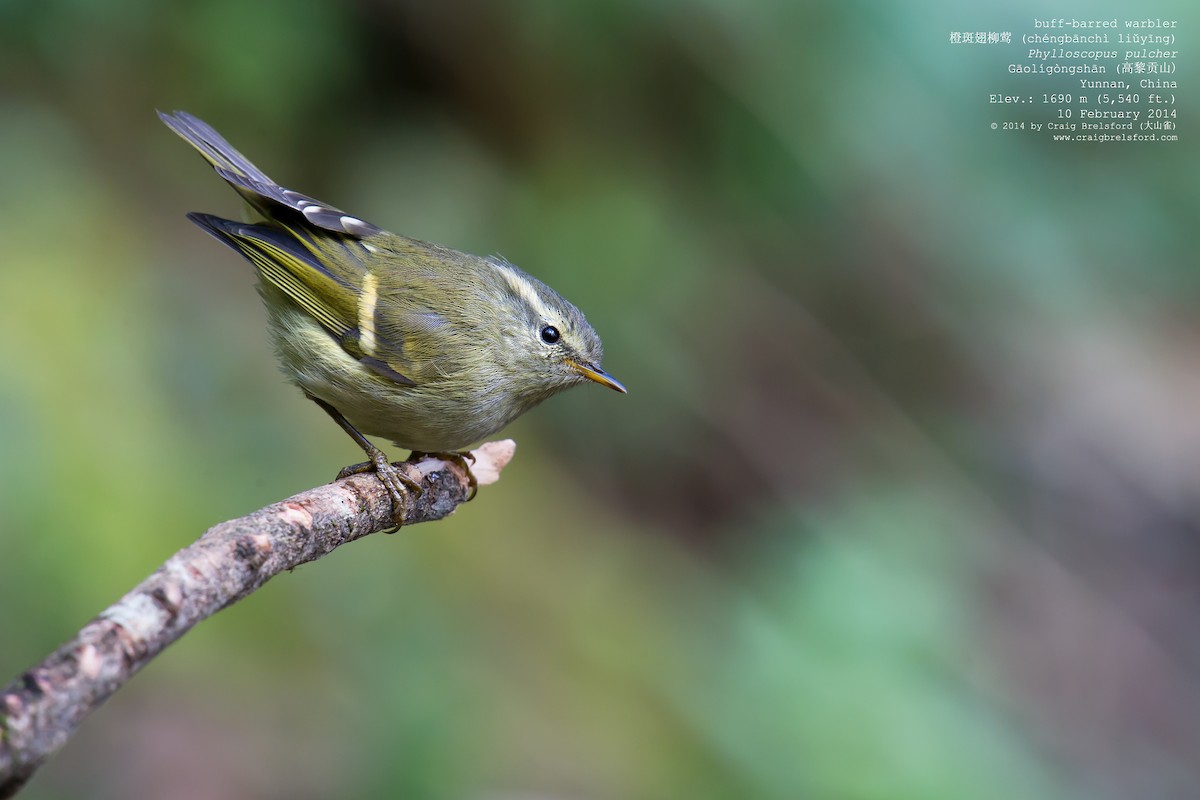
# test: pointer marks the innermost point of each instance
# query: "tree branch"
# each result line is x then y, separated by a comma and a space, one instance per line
41, 709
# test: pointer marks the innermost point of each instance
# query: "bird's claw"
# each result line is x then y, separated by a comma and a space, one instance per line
394, 479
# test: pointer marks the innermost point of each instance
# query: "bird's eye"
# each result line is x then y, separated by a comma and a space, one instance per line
550, 334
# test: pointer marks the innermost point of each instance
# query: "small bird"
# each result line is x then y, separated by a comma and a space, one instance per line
393, 337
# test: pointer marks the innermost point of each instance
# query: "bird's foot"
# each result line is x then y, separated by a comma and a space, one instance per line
393, 477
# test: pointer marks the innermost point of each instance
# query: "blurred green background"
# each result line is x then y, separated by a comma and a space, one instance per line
903, 501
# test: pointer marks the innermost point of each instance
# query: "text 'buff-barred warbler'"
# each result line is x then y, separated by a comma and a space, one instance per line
428, 347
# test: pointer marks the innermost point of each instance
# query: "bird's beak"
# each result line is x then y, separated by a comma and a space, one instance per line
593, 373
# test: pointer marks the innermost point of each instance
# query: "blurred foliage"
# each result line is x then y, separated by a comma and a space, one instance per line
902, 504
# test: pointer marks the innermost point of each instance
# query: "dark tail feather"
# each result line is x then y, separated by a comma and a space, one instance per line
260, 191
212, 145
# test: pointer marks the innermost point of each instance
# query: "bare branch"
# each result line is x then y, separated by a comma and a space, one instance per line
41, 709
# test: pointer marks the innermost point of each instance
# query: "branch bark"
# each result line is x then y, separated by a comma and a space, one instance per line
41, 709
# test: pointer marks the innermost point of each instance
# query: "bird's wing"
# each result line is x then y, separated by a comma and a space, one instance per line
321, 283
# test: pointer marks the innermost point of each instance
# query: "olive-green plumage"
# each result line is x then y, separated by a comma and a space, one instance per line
428, 347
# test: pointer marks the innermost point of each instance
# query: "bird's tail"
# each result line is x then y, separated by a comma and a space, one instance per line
263, 194
218, 152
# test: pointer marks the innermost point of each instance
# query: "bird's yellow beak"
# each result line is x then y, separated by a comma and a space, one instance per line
593, 373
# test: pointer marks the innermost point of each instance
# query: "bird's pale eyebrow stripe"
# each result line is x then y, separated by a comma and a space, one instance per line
522, 288
366, 313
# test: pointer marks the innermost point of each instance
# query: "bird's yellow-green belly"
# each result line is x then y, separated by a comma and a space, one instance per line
439, 414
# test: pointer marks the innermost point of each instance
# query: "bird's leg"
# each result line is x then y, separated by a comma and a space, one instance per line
392, 478
459, 457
